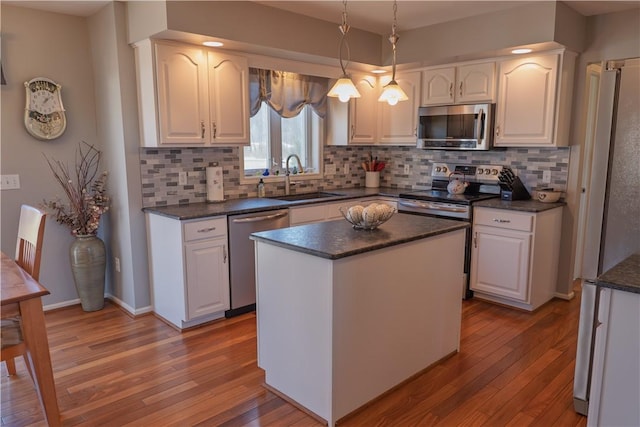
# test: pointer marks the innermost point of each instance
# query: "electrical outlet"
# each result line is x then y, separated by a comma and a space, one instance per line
407, 169
116, 262
346, 168
10, 182
330, 169
546, 177
182, 178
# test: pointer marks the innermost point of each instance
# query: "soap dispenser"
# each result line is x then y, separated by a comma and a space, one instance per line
261, 192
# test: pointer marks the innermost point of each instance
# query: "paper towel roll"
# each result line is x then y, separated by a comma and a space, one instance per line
215, 190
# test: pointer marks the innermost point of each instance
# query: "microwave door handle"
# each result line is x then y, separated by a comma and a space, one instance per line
480, 130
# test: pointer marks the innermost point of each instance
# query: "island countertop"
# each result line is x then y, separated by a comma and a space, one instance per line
338, 239
624, 276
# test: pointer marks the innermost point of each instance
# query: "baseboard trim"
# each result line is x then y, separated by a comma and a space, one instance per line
566, 297
126, 307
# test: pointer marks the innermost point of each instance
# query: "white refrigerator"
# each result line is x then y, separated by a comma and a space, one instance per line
613, 205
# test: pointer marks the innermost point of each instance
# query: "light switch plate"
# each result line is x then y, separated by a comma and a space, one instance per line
182, 178
407, 169
546, 177
330, 169
346, 168
10, 182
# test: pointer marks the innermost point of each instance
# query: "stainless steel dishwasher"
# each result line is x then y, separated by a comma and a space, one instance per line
242, 274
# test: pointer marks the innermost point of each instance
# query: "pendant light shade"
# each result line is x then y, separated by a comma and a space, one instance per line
344, 89
392, 93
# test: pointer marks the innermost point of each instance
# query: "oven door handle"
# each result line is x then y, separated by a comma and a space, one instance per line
427, 205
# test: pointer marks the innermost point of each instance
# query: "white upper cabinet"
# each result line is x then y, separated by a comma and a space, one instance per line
363, 112
458, 85
200, 97
183, 106
534, 101
397, 124
228, 98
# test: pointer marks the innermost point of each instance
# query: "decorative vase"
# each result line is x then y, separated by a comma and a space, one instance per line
88, 262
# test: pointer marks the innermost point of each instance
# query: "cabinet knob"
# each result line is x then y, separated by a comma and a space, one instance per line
215, 129
498, 130
202, 129
460, 88
451, 90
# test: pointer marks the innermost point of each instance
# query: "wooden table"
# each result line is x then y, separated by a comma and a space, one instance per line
20, 288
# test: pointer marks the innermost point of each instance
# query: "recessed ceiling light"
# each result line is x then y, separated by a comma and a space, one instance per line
378, 71
520, 51
213, 44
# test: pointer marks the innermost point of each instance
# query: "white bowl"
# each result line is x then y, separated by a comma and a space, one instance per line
548, 196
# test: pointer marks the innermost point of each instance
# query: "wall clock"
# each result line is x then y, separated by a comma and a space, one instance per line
44, 116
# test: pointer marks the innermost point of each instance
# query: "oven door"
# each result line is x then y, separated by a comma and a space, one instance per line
446, 211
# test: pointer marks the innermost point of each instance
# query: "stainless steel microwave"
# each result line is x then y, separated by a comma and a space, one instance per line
456, 127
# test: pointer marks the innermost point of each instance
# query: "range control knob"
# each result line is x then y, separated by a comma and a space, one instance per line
487, 171
444, 169
438, 168
480, 171
494, 171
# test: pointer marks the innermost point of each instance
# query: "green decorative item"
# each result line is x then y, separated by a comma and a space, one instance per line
88, 262
86, 202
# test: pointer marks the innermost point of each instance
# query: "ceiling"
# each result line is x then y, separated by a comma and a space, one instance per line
373, 16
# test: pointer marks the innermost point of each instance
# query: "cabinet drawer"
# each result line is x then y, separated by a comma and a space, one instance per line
206, 229
503, 219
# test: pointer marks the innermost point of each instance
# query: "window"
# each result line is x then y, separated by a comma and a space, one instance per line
287, 111
274, 138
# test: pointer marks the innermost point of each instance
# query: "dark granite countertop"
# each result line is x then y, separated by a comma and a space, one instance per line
338, 239
254, 204
624, 276
518, 205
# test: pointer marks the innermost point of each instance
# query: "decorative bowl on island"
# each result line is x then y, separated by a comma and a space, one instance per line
367, 217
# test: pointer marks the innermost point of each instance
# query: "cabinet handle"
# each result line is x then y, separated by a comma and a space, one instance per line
206, 230
415, 131
215, 129
498, 130
353, 132
475, 240
501, 221
202, 129
451, 90
224, 254
460, 88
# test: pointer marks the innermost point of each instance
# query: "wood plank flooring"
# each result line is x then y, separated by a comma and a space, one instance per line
514, 369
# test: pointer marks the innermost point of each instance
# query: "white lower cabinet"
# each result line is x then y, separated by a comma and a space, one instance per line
189, 269
514, 256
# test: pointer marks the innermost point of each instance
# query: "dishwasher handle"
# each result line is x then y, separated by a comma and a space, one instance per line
260, 218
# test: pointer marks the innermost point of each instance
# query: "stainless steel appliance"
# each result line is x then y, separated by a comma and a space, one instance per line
242, 275
456, 127
437, 202
613, 212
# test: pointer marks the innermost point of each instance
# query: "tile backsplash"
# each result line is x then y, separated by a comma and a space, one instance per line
160, 168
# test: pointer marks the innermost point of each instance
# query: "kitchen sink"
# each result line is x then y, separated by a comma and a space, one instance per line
304, 196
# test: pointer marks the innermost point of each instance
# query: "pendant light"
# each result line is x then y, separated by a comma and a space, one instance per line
392, 92
344, 89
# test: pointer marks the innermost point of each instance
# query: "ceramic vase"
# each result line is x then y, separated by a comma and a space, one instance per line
88, 262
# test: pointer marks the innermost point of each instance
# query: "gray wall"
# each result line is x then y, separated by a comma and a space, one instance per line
42, 44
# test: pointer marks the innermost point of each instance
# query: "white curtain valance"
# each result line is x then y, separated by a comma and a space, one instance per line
287, 93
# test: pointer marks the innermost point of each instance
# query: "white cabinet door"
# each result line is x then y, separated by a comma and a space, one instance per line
475, 82
526, 108
398, 123
207, 277
183, 107
459, 85
438, 86
307, 214
228, 99
363, 112
500, 262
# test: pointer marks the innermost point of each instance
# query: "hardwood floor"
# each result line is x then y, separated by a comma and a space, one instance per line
514, 369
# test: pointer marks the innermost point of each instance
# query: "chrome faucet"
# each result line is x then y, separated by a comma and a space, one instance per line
287, 181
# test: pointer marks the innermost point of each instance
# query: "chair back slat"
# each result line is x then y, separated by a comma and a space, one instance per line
30, 236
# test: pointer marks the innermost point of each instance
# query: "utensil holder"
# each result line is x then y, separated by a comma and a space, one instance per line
372, 179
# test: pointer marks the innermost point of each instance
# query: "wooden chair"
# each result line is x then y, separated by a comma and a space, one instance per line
28, 255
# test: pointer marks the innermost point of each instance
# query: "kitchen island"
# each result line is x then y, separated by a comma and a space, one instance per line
345, 315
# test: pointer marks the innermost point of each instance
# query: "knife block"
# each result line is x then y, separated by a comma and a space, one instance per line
514, 191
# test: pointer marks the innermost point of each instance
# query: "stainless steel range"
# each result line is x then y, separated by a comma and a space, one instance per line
437, 202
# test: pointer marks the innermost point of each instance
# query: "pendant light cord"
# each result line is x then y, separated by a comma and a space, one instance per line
393, 38
344, 29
